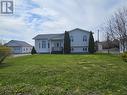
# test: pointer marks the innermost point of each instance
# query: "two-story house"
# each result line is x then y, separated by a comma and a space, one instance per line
50, 43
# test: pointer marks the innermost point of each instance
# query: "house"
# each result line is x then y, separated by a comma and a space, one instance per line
123, 47
19, 47
99, 46
54, 43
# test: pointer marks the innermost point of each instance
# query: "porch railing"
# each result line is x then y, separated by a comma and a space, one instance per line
57, 48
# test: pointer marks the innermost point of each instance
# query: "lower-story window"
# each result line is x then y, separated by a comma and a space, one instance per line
72, 49
85, 49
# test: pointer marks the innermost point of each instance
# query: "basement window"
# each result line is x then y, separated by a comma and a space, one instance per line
71, 38
72, 49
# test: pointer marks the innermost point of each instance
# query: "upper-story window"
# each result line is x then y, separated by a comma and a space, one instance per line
71, 38
84, 38
43, 44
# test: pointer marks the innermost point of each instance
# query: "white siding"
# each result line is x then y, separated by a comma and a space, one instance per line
54, 43
21, 50
39, 48
79, 49
26, 49
16, 50
78, 43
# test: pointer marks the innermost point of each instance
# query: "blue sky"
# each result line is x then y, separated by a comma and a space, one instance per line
32, 17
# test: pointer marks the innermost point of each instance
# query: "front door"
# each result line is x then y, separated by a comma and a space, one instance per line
56, 46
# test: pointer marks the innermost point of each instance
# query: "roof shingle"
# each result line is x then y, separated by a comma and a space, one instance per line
18, 43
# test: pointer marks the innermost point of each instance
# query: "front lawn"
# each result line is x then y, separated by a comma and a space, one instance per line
64, 75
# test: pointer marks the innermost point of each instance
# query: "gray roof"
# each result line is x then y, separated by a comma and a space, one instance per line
13, 43
55, 36
49, 36
79, 29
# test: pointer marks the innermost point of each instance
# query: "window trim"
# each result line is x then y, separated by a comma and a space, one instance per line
84, 38
43, 45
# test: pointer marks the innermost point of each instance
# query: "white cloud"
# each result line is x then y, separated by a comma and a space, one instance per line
33, 17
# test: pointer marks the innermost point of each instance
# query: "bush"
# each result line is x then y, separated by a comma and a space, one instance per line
67, 47
124, 56
4, 52
91, 47
33, 51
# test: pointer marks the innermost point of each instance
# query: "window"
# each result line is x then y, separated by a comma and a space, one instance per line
48, 45
84, 38
71, 38
16, 48
43, 44
57, 44
72, 49
85, 49
39, 45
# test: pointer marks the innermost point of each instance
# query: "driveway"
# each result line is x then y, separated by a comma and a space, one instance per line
18, 55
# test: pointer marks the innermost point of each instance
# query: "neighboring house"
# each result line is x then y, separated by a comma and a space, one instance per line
100, 47
54, 43
19, 47
123, 48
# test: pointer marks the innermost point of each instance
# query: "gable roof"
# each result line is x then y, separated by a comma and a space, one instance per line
55, 36
79, 29
18, 43
49, 36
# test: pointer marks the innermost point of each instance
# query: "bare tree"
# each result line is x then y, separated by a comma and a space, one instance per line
117, 27
108, 41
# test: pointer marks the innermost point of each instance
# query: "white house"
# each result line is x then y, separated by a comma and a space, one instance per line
123, 48
54, 43
19, 47
100, 47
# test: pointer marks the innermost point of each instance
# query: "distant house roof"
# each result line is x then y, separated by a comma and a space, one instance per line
13, 43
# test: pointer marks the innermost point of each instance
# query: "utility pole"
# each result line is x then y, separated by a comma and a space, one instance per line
108, 41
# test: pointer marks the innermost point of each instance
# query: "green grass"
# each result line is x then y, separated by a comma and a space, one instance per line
98, 74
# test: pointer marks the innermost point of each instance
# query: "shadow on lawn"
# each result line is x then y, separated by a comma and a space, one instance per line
4, 65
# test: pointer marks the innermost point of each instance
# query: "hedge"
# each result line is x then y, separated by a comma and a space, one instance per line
4, 52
